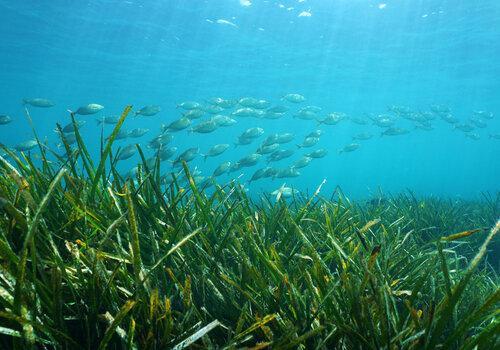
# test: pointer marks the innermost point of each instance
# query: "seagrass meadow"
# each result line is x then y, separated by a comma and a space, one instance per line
91, 260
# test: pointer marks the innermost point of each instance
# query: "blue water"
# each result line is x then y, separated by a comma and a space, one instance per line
355, 57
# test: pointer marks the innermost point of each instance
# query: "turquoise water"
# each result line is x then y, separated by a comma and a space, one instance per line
354, 57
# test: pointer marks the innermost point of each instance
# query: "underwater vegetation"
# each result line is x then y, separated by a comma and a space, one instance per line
92, 260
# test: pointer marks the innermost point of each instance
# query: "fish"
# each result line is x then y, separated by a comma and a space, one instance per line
284, 192
148, 111
226, 22
383, 121
305, 115
350, 148
168, 178
440, 109
248, 102
38, 102
91, 108
188, 105
287, 173
258, 174
284, 138
393, 131
252, 133
222, 169
108, 120
425, 127
138, 132
69, 137
495, 136
464, 127
449, 119
280, 155
315, 133
332, 119
211, 109
263, 149
278, 109
186, 156
309, 142
160, 141
166, 153
151, 162
319, 153
243, 141
204, 127
270, 115
271, 139
177, 125
249, 160
26, 145
70, 127
216, 150
473, 136
126, 152
270, 172
132, 172
478, 123
223, 120
362, 136
5, 119
122, 134
483, 114
221, 102
313, 109
302, 162
194, 113
248, 113
294, 98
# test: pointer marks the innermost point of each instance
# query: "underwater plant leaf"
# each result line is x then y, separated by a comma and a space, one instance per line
100, 168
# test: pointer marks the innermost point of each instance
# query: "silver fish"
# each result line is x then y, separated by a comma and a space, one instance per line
309, 142
108, 120
38, 102
393, 131
5, 119
205, 127
267, 149
252, 133
194, 113
126, 152
166, 153
332, 119
280, 154
362, 136
138, 132
177, 125
216, 150
319, 153
350, 148
148, 111
26, 145
188, 105
222, 168
91, 108
223, 120
294, 98
249, 160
